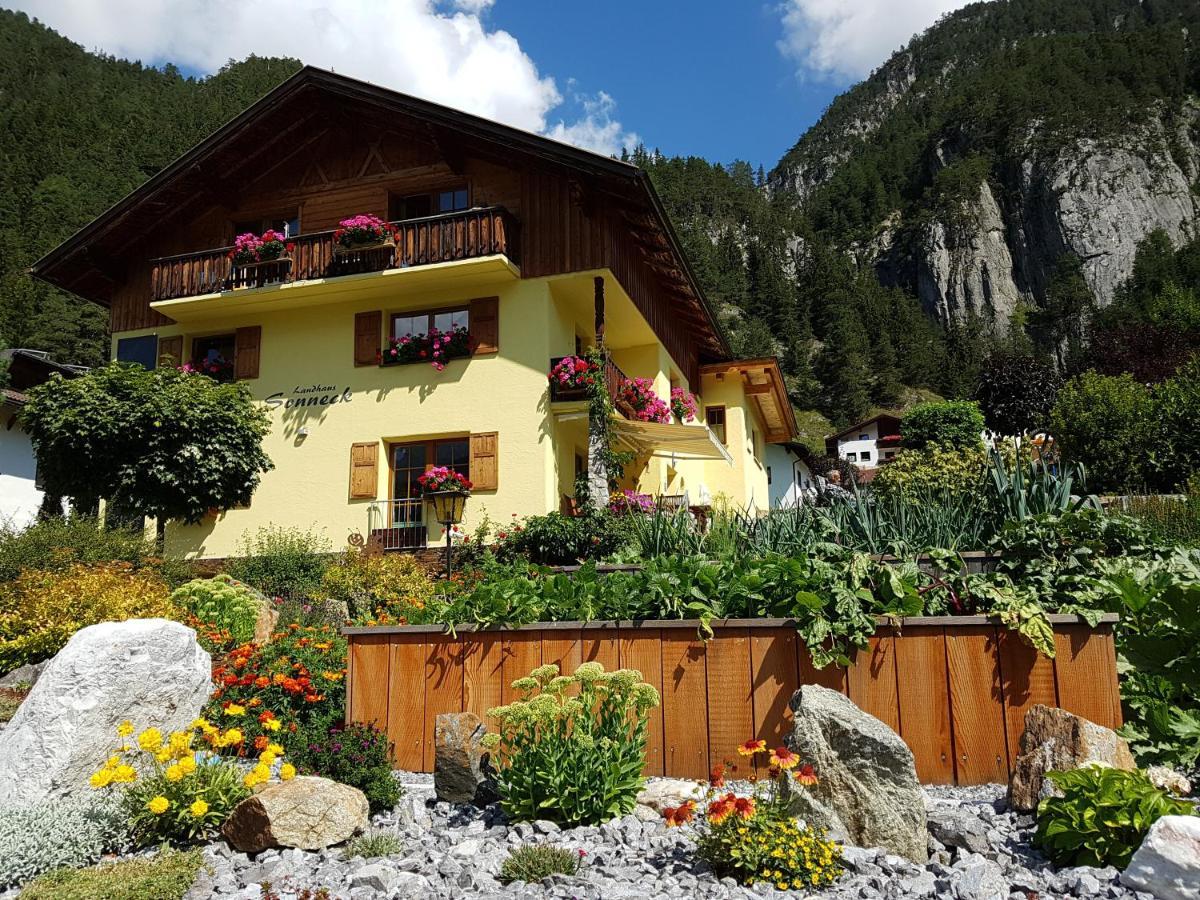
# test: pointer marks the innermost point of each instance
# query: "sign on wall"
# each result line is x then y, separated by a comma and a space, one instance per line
313, 395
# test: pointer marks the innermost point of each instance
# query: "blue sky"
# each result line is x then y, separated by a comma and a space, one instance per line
722, 79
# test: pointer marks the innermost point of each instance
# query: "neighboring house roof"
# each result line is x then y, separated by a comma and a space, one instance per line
888, 424
94, 260
29, 368
16, 398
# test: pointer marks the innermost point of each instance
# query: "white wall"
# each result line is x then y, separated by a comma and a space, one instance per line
19, 499
852, 443
791, 479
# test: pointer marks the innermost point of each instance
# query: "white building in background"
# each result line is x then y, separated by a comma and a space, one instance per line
869, 443
790, 481
20, 496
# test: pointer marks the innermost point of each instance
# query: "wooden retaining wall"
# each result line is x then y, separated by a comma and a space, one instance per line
955, 688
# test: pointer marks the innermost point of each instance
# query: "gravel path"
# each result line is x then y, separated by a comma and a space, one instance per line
982, 852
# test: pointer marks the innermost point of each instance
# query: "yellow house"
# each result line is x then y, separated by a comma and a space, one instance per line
527, 249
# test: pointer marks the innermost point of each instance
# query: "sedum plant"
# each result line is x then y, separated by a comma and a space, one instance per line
533, 862
57, 834
224, 602
1102, 816
572, 749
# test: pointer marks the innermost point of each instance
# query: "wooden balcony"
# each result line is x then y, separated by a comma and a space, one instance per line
613, 377
470, 234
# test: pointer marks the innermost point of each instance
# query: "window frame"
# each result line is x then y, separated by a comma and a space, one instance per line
396, 198
429, 314
430, 445
232, 360
723, 435
267, 221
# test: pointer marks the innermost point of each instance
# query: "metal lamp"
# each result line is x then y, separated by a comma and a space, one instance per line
448, 510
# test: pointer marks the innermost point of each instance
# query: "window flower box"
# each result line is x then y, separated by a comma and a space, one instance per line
444, 480
435, 348
363, 232
683, 405
571, 377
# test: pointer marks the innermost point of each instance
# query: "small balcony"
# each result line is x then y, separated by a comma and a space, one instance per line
613, 377
449, 237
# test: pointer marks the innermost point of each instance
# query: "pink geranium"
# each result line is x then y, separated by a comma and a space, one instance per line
363, 230
443, 478
639, 396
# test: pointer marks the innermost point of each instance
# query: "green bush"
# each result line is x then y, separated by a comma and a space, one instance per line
222, 601
1171, 520
46, 836
167, 876
575, 760
950, 423
936, 467
1102, 817
355, 754
531, 863
557, 540
1101, 422
1176, 456
282, 562
52, 545
374, 844
388, 586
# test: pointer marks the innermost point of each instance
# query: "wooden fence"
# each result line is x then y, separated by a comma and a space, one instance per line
955, 688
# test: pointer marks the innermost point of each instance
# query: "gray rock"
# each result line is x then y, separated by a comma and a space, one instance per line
981, 879
956, 827
149, 671
461, 773
1167, 864
867, 783
26, 674
373, 876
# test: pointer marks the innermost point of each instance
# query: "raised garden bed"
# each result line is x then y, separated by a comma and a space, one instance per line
955, 688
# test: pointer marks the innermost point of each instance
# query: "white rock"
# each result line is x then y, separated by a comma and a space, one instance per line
1168, 862
662, 793
149, 671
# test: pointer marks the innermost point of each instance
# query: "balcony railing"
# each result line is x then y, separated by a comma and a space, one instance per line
486, 231
613, 377
398, 523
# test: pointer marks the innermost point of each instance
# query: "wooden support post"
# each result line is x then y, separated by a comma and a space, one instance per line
599, 284
597, 428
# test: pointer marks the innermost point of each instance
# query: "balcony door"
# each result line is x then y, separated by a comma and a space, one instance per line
409, 462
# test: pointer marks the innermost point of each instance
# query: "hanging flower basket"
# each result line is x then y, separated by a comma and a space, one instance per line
363, 232
444, 480
683, 405
637, 395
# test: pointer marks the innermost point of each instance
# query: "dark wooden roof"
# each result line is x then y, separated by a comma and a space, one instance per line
93, 261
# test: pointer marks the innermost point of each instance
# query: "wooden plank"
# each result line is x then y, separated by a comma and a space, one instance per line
832, 676
872, 681
483, 673
774, 680
1085, 671
976, 705
685, 706
604, 650
562, 648
641, 649
406, 702
925, 702
730, 694
443, 686
522, 654
369, 658
1026, 679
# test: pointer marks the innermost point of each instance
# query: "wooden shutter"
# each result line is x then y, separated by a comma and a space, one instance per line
364, 470
485, 324
170, 351
247, 344
366, 337
485, 466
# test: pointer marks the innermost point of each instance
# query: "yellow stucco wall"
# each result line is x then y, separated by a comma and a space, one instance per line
307, 349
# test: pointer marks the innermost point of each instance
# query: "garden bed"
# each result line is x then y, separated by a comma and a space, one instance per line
955, 688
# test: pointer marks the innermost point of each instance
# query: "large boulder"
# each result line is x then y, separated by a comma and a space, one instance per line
461, 773
867, 787
149, 671
1167, 864
306, 812
1056, 740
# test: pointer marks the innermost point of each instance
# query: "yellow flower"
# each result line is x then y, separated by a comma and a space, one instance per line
124, 775
198, 809
231, 737
200, 724
262, 772
159, 805
125, 729
180, 742
275, 748
174, 773
113, 762
163, 755
287, 772
271, 724
150, 740
101, 779
266, 757
188, 765
235, 709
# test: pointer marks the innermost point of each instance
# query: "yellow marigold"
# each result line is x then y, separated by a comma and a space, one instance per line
188, 765
159, 805
271, 724
262, 772
150, 740
125, 729
163, 755
112, 762
235, 709
174, 773
200, 724
287, 772
275, 748
198, 809
124, 775
101, 779
231, 737
266, 757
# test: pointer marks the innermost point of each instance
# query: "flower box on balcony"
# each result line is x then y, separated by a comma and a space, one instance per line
436, 348
339, 250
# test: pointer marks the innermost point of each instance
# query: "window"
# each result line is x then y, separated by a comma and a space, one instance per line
452, 201
414, 324
418, 206
864, 437
214, 355
409, 463
865, 456
286, 222
889, 454
851, 457
714, 417
140, 350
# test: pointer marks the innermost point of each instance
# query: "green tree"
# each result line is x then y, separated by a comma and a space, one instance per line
949, 423
1016, 393
158, 443
1102, 422
1173, 450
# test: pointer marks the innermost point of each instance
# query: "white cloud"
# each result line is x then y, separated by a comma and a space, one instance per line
441, 51
597, 130
846, 39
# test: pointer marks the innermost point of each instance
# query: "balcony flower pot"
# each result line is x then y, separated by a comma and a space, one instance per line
435, 348
571, 377
361, 233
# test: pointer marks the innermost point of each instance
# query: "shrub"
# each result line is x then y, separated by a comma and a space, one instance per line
935, 468
378, 585
374, 844
223, 602
576, 760
39, 611
46, 836
1016, 393
1171, 520
52, 545
1101, 422
1176, 410
273, 691
951, 423
177, 788
1102, 817
533, 862
555, 539
166, 876
282, 562
355, 754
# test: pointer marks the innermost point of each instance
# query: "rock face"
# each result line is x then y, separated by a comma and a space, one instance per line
1168, 862
1054, 739
867, 789
149, 671
306, 812
460, 768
